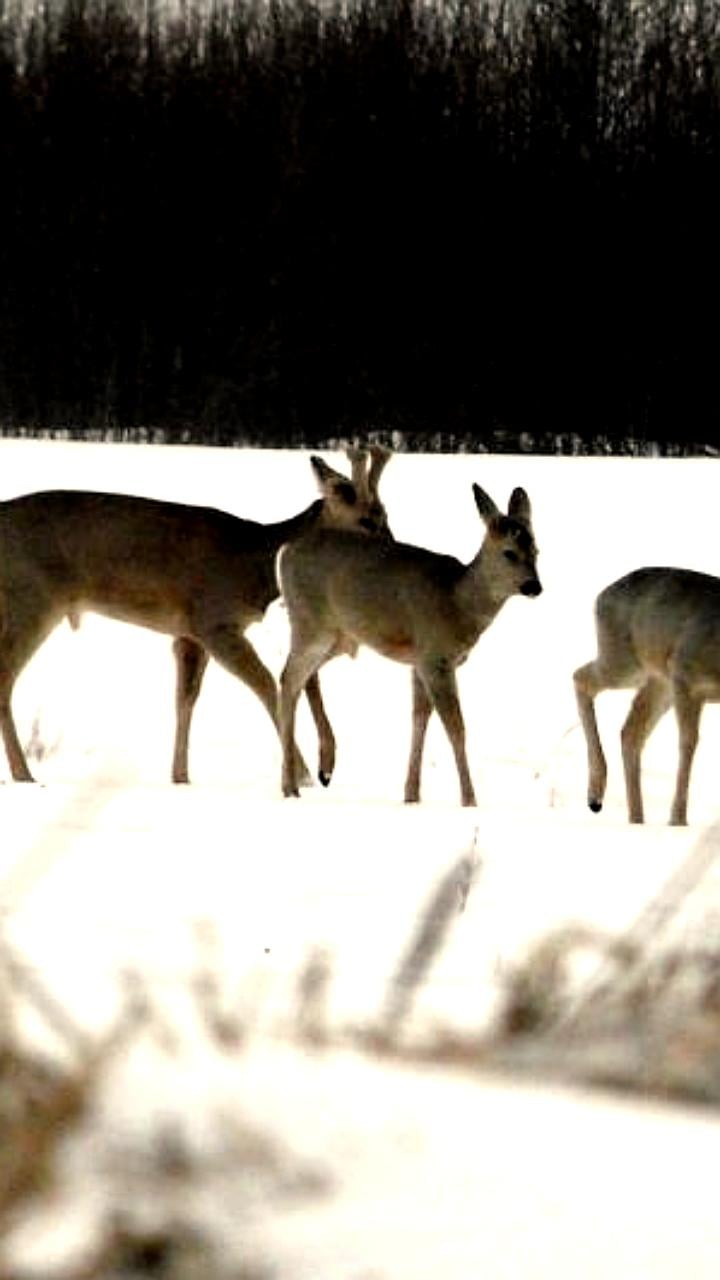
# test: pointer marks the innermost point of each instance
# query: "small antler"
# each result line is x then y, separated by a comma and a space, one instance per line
379, 458
368, 463
357, 456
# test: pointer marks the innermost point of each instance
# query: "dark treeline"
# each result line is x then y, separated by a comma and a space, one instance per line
285, 223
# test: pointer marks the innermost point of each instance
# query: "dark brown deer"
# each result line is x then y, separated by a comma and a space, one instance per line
195, 573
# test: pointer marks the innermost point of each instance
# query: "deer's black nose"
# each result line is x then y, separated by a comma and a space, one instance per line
532, 587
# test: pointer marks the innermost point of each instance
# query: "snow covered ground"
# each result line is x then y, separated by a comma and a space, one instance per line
105, 867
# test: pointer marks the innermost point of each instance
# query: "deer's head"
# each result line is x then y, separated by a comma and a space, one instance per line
354, 503
509, 550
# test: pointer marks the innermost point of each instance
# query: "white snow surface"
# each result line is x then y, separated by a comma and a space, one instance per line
106, 868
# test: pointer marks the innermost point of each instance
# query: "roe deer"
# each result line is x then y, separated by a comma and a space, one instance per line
195, 573
658, 631
407, 603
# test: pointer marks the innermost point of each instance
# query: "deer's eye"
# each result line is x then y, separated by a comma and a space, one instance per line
512, 556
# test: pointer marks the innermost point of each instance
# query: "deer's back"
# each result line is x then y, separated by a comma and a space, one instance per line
339, 566
389, 595
666, 616
135, 558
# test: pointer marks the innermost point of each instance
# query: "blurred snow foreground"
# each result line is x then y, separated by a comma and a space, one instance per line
193, 1138
339, 1038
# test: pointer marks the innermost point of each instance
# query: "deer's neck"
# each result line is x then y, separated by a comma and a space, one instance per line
288, 530
479, 593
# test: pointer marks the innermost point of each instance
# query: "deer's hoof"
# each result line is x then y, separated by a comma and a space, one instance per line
324, 778
594, 806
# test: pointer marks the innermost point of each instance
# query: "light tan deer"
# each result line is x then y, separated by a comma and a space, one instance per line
195, 573
407, 603
658, 631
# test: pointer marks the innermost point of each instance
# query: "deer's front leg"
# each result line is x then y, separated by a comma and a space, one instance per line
191, 660
421, 712
236, 654
441, 684
586, 689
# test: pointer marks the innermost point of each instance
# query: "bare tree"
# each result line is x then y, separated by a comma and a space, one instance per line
407, 603
195, 573
658, 631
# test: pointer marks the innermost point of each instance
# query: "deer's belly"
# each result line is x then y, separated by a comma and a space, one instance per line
398, 648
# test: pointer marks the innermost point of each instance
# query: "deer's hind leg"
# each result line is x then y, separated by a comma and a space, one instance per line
313, 693
649, 704
26, 620
688, 709
326, 737
15, 755
615, 667
300, 672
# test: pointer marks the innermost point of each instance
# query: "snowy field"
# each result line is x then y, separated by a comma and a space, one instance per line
107, 868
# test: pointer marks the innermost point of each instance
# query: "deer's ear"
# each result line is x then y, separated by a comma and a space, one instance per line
519, 506
339, 492
325, 475
485, 504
